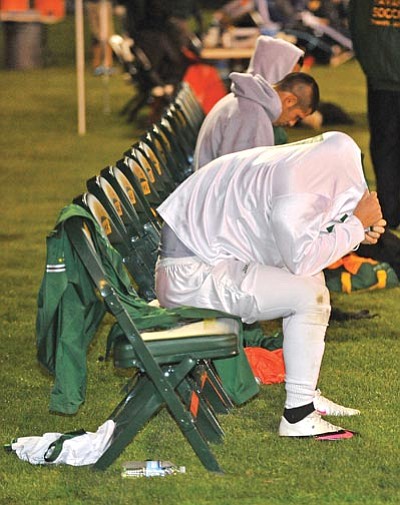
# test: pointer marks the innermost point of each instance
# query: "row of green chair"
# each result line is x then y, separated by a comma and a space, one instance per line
171, 352
128, 193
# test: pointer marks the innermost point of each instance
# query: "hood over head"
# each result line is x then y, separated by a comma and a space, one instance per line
273, 58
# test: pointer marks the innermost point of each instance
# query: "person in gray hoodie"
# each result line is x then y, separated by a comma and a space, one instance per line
245, 117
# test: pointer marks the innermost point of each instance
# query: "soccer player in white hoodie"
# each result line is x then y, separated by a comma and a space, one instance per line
250, 234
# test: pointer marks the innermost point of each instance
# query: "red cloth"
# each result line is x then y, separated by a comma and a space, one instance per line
268, 366
206, 84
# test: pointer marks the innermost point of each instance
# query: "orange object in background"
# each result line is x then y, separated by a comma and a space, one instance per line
206, 84
24, 22
14, 5
50, 8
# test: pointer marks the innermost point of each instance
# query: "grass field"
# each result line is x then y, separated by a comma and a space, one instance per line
44, 164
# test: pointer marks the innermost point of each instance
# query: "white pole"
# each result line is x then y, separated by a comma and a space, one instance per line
80, 65
104, 36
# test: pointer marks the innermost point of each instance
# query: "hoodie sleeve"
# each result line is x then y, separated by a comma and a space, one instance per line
308, 240
249, 128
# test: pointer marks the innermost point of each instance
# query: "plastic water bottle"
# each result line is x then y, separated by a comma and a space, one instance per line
150, 468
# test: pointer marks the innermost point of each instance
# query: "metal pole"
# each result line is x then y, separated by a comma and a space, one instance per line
80, 66
104, 36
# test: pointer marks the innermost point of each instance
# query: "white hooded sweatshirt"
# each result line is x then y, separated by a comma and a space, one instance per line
243, 119
288, 206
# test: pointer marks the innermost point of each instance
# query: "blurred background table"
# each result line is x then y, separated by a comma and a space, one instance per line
226, 53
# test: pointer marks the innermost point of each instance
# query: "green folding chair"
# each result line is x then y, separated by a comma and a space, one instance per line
141, 180
158, 162
167, 147
132, 197
180, 123
121, 207
188, 100
160, 179
139, 255
176, 136
170, 363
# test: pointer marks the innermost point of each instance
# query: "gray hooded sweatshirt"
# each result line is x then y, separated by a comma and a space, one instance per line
243, 119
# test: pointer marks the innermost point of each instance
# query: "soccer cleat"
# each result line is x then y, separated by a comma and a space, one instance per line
326, 407
315, 427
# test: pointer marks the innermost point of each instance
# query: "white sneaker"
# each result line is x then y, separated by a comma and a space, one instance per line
326, 407
313, 426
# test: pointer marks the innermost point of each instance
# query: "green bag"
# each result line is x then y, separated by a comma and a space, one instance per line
355, 273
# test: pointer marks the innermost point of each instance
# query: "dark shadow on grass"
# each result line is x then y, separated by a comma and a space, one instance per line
11, 237
360, 119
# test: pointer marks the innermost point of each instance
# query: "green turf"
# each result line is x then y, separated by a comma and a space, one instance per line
44, 164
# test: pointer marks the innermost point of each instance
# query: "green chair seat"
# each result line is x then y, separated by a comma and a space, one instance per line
207, 339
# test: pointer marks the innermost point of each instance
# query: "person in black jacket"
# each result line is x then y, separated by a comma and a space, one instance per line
375, 31
160, 28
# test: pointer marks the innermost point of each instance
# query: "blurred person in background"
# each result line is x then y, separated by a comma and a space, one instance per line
101, 25
161, 28
375, 29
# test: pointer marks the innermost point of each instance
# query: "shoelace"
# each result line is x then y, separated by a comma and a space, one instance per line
327, 407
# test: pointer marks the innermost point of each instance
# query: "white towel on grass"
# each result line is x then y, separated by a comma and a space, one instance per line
84, 449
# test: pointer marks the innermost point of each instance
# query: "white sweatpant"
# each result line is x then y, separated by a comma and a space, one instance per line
257, 292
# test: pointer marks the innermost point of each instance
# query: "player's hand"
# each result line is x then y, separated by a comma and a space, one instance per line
372, 235
368, 209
